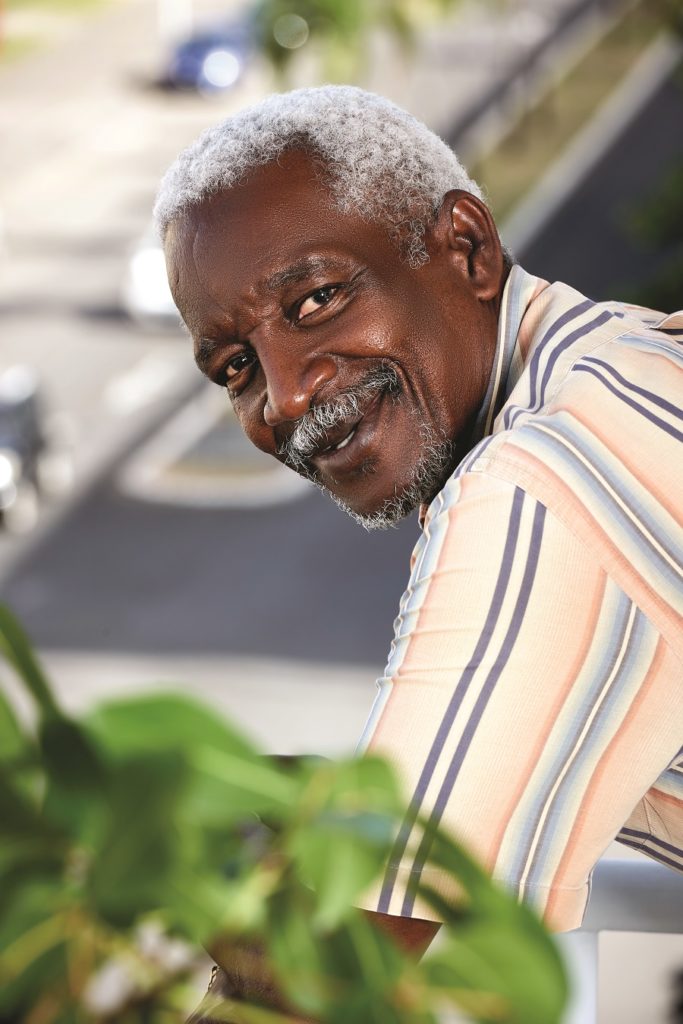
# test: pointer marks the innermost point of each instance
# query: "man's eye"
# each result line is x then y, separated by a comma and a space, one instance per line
316, 300
238, 363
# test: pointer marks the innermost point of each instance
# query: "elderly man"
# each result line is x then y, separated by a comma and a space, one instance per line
343, 280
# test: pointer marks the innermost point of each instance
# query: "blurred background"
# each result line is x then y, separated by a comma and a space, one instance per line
142, 542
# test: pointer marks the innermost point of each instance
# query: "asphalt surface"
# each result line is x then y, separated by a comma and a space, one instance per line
90, 139
296, 581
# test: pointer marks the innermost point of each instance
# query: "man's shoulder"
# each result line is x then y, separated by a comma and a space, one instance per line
564, 339
592, 429
599, 446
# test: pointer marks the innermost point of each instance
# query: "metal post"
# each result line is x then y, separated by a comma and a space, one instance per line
580, 950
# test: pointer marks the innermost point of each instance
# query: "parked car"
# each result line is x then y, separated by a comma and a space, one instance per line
34, 460
145, 294
213, 59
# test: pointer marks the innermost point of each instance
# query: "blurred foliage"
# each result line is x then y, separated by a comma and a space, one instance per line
671, 13
150, 827
340, 30
546, 127
655, 223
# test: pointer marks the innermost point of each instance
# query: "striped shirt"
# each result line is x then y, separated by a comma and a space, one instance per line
533, 697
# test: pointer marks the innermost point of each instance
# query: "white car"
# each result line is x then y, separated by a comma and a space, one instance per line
145, 294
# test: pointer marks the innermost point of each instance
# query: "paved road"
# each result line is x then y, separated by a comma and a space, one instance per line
89, 139
89, 142
298, 581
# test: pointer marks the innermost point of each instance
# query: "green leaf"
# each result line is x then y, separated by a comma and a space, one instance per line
70, 757
30, 846
496, 945
197, 904
16, 647
296, 953
31, 944
352, 972
75, 793
343, 832
140, 846
164, 722
246, 786
489, 956
362, 785
227, 778
371, 976
13, 742
340, 856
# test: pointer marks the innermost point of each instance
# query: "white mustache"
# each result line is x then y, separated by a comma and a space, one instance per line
312, 429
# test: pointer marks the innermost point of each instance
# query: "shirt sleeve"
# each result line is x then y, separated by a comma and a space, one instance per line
526, 703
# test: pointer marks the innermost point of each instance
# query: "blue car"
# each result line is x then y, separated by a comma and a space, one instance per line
213, 59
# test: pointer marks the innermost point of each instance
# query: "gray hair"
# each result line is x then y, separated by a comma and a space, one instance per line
377, 160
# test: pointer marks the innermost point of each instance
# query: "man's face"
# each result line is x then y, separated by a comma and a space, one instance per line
339, 358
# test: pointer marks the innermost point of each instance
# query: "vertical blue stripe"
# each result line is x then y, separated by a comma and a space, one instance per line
460, 691
604, 717
481, 704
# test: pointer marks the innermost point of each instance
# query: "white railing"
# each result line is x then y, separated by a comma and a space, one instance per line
636, 895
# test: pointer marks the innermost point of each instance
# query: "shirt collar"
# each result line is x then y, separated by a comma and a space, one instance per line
519, 292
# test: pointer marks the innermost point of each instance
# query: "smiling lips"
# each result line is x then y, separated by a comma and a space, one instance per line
339, 453
329, 454
338, 445
343, 444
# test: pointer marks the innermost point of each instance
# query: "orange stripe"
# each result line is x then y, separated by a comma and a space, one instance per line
384, 723
518, 466
650, 484
667, 798
612, 753
594, 603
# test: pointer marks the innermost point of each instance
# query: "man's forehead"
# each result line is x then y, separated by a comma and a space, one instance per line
280, 224
294, 175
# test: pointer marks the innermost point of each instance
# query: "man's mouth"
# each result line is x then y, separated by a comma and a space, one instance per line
340, 453
340, 444
332, 437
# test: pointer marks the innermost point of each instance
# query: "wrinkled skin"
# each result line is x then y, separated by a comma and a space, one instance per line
292, 305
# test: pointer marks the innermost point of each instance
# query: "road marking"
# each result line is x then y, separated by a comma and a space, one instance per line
146, 382
165, 471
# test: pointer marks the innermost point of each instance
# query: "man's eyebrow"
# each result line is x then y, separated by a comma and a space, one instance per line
307, 266
204, 350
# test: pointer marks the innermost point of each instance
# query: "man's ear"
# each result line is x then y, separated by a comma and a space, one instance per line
467, 229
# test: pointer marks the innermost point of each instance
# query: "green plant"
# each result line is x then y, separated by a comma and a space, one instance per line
341, 30
655, 223
150, 827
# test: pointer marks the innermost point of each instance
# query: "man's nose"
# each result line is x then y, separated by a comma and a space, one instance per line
292, 386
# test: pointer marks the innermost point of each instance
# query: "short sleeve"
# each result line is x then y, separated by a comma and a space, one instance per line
527, 702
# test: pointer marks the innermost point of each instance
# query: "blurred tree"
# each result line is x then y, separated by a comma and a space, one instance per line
657, 224
340, 28
671, 13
